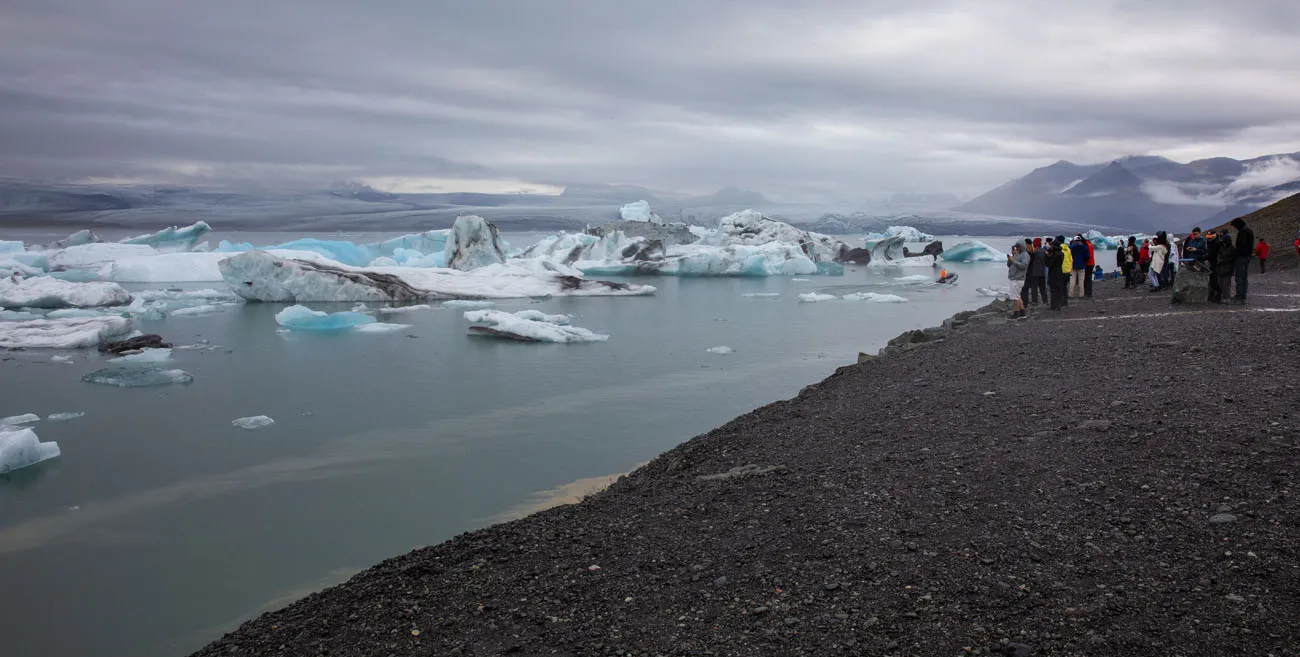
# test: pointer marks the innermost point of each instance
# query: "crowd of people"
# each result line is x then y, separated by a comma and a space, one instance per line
1053, 271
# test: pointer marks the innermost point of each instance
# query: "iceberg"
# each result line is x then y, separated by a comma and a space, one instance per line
639, 211
261, 276
721, 350
173, 238
770, 259
75, 333
76, 239
908, 233
96, 255
393, 310
138, 377
468, 304
972, 251
750, 228
15, 420
18, 316
64, 417
191, 267
67, 313
474, 242
22, 448
10, 267
814, 297
46, 292
762, 295
254, 422
302, 318
12, 246
61, 359
874, 297
429, 242
150, 356
529, 326
381, 327
196, 311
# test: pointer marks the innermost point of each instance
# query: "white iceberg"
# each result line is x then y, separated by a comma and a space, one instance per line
762, 295
138, 377
916, 278
302, 318
254, 422
814, 297
721, 350
474, 242
96, 255
261, 276
15, 420
972, 251
46, 292
59, 358
173, 238
76, 239
394, 310
64, 417
529, 326
195, 311
9, 266
22, 448
769, 259
874, 297
468, 304
639, 211
381, 327
908, 233
750, 228
75, 333
149, 356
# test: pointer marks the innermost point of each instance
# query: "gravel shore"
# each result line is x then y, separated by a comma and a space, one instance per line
1112, 479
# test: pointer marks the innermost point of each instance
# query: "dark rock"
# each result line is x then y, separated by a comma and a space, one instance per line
1222, 518
150, 341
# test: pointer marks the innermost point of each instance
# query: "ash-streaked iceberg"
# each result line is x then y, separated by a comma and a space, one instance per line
151, 356
529, 326
173, 238
47, 292
261, 276
22, 448
474, 242
75, 333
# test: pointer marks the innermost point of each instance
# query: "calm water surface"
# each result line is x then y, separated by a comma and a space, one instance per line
162, 526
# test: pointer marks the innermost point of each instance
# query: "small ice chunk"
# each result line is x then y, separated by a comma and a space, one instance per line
254, 422
381, 327
721, 350
915, 278
145, 356
66, 360
529, 326
813, 297
874, 297
990, 292
302, 318
64, 417
194, 311
22, 448
15, 420
392, 310
800, 280
467, 304
762, 295
138, 377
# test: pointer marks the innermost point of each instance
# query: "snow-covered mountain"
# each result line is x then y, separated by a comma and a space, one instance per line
1144, 192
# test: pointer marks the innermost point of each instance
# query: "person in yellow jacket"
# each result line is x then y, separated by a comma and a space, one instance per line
1068, 265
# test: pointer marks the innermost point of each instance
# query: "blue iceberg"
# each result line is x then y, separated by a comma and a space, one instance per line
972, 251
302, 318
173, 239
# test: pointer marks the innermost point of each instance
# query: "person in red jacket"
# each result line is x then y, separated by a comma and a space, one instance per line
1087, 275
1144, 257
1261, 252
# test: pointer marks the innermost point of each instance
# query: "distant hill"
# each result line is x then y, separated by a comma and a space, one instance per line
1278, 223
1143, 192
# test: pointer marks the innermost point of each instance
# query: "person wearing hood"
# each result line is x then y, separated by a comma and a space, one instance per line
1089, 268
1078, 266
1129, 261
1057, 268
1244, 249
1221, 257
1159, 254
1017, 266
1036, 278
1261, 252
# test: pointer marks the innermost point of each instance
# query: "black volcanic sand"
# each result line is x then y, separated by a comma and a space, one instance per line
1107, 480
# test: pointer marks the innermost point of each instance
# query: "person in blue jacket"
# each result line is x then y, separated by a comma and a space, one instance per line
1079, 268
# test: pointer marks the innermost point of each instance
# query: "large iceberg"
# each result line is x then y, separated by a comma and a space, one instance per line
173, 238
302, 318
908, 233
22, 448
47, 292
529, 326
75, 333
474, 242
751, 228
261, 276
972, 251
95, 256
639, 211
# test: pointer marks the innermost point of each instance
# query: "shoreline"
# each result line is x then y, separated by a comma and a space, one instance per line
923, 501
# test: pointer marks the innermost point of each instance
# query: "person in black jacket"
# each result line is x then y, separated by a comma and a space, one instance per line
1057, 280
1035, 282
1244, 249
1222, 258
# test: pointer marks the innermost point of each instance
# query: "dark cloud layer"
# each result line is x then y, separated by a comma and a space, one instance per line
827, 99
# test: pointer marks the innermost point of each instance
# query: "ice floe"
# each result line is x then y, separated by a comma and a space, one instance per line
302, 318
529, 326
468, 304
22, 448
721, 350
145, 357
813, 297
874, 297
46, 292
74, 333
64, 417
18, 316
253, 422
761, 295
138, 377
59, 358
15, 420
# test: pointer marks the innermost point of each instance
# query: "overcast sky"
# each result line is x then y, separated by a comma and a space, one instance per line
829, 99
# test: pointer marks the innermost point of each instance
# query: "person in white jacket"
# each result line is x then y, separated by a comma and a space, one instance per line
1159, 254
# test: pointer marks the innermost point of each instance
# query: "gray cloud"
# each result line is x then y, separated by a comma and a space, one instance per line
827, 99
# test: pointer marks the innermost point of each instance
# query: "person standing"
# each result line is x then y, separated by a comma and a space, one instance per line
1089, 269
1036, 277
1261, 252
1067, 267
1017, 267
1144, 257
1244, 248
1194, 247
1131, 258
1078, 266
1056, 272
1224, 263
1159, 252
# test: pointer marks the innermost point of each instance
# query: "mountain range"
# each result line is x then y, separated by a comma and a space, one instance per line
1144, 192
